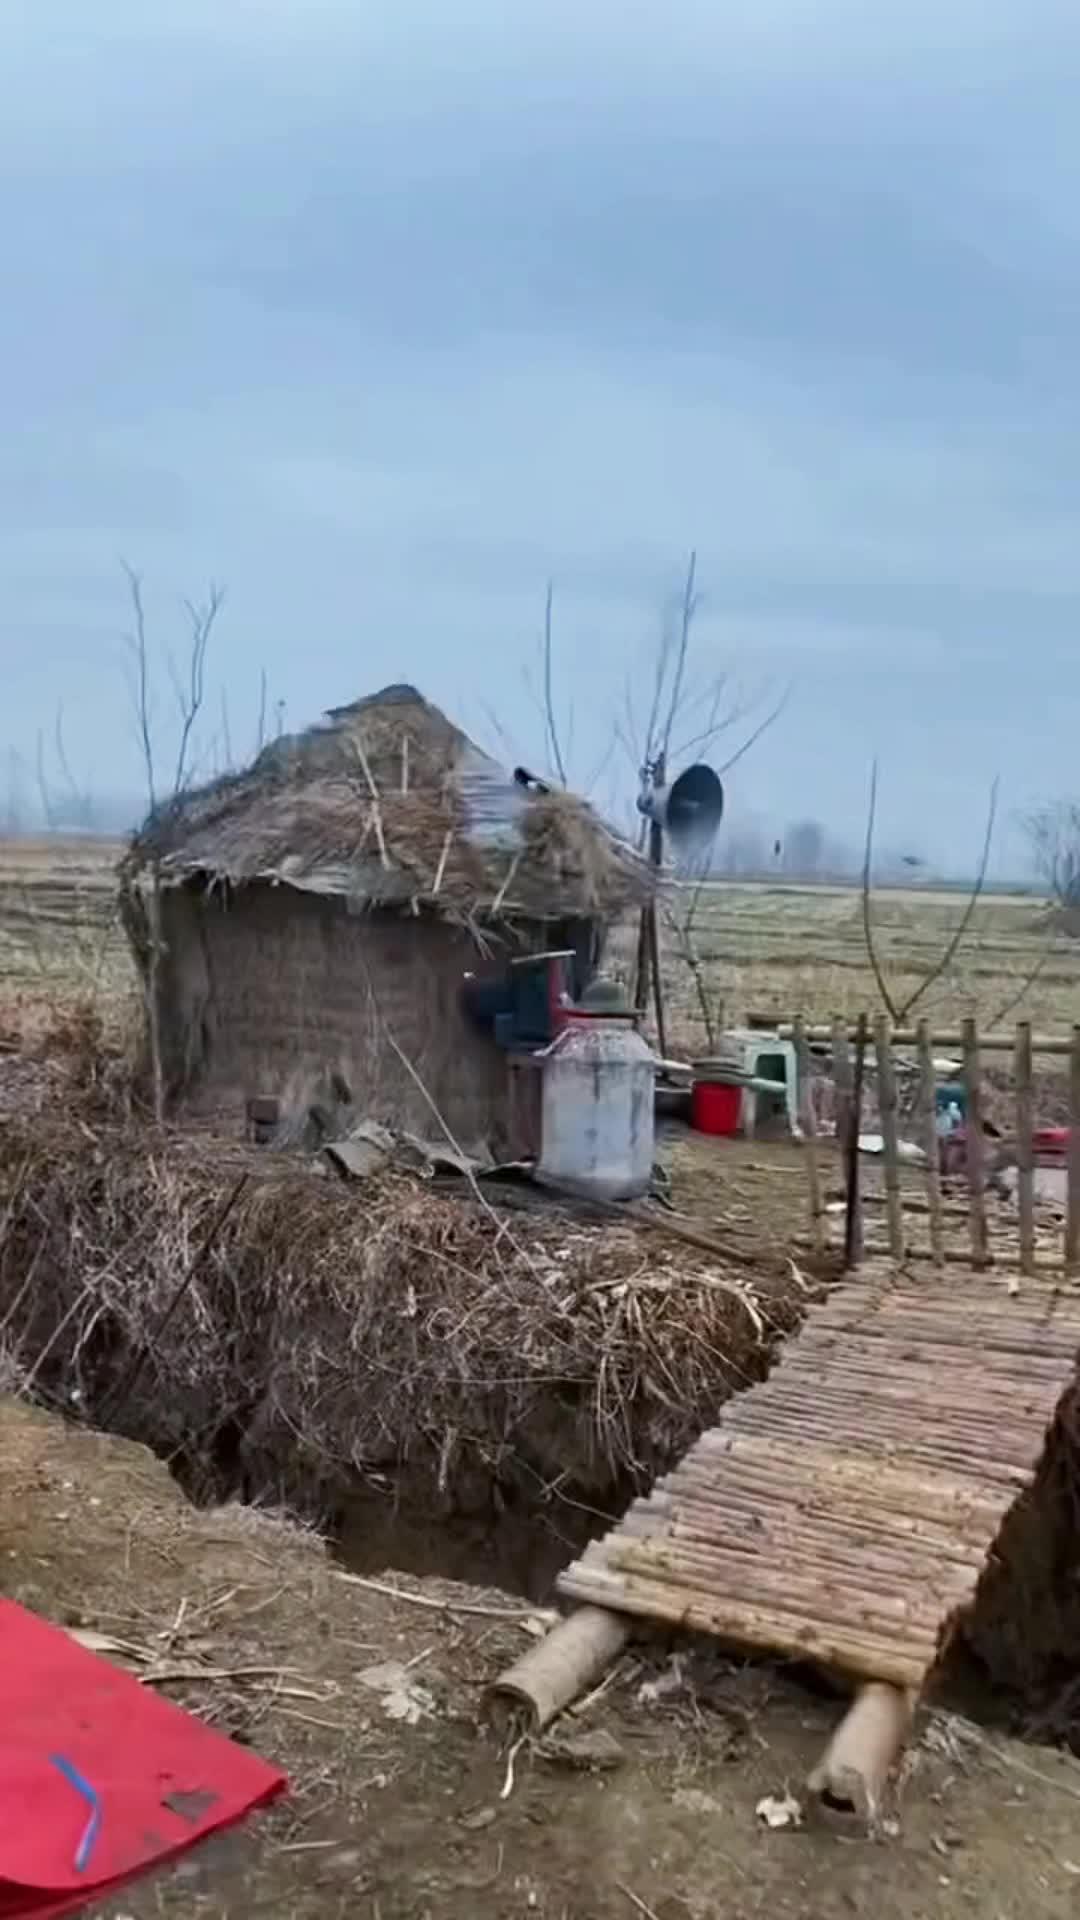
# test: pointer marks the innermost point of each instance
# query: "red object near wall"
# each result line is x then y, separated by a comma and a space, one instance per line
161, 1780
716, 1107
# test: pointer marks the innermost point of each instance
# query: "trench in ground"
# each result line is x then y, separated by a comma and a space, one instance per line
1015, 1666
517, 1545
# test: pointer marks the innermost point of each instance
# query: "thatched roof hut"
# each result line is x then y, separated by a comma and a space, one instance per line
320, 909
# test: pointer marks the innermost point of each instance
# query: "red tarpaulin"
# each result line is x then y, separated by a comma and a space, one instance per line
100, 1779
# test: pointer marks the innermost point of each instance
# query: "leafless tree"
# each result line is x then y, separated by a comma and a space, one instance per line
188, 680
1053, 834
61, 799
78, 803
689, 712
900, 1010
45, 793
15, 805
717, 710
804, 849
681, 925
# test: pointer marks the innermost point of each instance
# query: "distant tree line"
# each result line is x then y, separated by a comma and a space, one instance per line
803, 850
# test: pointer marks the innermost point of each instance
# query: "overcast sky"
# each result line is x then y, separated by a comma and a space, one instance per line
383, 311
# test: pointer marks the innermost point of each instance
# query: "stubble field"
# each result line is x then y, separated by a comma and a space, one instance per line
764, 949
60, 937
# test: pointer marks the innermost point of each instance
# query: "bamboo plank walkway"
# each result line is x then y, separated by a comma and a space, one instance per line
844, 1510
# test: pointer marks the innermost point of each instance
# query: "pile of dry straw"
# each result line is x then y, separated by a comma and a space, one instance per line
329, 1327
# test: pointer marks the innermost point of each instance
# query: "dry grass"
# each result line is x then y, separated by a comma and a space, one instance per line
335, 1328
388, 803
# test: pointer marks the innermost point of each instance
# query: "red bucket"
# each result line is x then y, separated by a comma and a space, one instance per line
715, 1107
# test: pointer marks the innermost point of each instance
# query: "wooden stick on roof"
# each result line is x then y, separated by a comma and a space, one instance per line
441, 869
376, 809
507, 883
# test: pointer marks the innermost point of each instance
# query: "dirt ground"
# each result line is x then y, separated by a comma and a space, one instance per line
643, 1804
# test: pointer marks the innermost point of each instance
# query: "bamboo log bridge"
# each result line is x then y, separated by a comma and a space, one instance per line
843, 1511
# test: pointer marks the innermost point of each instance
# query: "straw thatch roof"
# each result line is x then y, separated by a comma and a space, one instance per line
387, 803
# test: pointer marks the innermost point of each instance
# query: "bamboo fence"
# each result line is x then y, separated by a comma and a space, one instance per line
1020, 1243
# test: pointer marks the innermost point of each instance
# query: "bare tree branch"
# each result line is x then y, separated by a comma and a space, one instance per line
898, 1013
557, 761
663, 656
964, 922
717, 723
141, 688
190, 694
752, 739
1054, 835
15, 810
683, 934
867, 918
202, 620
79, 798
1034, 973
147, 918
686, 621
44, 790
593, 779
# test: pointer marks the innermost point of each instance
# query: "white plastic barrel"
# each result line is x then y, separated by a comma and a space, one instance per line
598, 1128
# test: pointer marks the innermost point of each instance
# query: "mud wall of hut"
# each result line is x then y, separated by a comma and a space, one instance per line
272, 991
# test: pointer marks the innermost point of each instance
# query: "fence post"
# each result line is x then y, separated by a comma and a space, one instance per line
808, 1122
976, 1146
1072, 1213
889, 1136
841, 1055
853, 1240
1025, 1152
930, 1143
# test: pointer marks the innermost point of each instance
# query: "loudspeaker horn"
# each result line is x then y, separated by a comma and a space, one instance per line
689, 810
